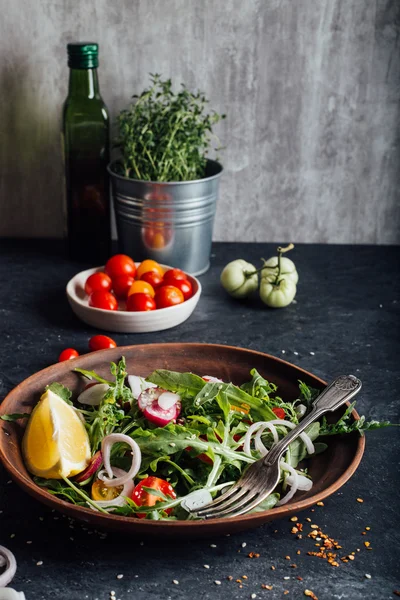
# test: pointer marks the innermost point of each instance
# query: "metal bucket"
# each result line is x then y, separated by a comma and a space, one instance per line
170, 222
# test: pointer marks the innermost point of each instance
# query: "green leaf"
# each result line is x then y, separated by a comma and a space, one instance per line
297, 450
258, 386
186, 385
14, 417
61, 391
156, 493
269, 502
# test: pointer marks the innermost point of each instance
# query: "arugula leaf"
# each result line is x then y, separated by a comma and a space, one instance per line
307, 394
14, 417
258, 386
93, 375
60, 390
346, 424
269, 502
297, 450
186, 385
58, 488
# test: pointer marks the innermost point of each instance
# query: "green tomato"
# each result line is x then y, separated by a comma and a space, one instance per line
288, 268
277, 295
237, 280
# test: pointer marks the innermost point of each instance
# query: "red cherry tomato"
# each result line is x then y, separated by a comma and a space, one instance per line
153, 278
121, 285
140, 302
174, 274
184, 285
143, 498
168, 295
120, 264
104, 300
279, 412
97, 282
101, 342
67, 354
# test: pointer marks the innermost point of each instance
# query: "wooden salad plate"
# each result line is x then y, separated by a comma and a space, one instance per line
329, 470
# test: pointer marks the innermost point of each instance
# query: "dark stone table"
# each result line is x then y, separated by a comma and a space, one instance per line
346, 319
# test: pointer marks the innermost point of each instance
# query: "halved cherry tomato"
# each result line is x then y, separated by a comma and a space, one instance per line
153, 278
67, 354
120, 264
184, 285
102, 492
149, 265
140, 302
279, 412
141, 287
97, 282
104, 300
168, 295
143, 498
174, 274
101, 342
121, 285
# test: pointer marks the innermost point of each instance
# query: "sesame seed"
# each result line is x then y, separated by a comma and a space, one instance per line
206, 566
119, 576
293, 519
29, 542
39, 563
296, 353
367, 528
213, 545
286, 578
283, 351
175, 581
244, 544
253, 596
12, 535
367, 576
312, 353
217, 582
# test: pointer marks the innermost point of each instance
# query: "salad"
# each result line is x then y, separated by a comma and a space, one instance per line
159, 447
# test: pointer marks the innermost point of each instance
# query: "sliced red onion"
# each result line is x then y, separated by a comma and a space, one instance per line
86, 474
196, 500
138, 385
8, 560
93, 394
148, 402
106, 446
126, 491
211, 379
294, 485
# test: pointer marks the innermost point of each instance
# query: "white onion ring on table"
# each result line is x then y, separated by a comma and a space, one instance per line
7, 559
119, 500
106, 446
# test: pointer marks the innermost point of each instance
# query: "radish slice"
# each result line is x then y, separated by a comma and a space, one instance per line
126, 491
8, 560
106, 446
212, 379
167, 400
196, 500
148, 402
93, 394
138, 385
95, 463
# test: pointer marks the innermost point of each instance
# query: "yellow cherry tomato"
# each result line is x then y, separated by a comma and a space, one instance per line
149, 265
101, 492
141, 287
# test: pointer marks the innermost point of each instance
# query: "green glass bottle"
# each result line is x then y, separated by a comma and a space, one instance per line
86, 152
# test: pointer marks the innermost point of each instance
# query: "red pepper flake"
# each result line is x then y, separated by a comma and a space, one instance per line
396, 592
320, 504
367, 528
229, 578
299, 578
272, 568
299, 526
367, 544
266, 587
294, 530
253, 555
287, 557
293, 566
310, 594
293, 518
308, 519
360, 500
298, 552
285, 593
244, 577
238, 581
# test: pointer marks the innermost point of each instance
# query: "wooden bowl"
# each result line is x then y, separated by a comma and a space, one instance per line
329, 470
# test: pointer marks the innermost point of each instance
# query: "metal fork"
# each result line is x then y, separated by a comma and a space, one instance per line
260, 479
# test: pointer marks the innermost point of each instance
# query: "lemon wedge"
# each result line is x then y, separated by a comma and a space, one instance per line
55, 444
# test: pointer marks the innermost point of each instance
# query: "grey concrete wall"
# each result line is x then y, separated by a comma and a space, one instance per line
311, 89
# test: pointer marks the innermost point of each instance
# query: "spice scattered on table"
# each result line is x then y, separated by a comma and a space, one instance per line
360, 500
310, 594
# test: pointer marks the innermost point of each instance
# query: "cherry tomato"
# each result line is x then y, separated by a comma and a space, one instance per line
120, 264
104, 300
101, 492
121, 285
149, 265
184, 285
101, 342
153, 278
140, 302
67, 354
143, 498
168, 295
97, 282
279, 412
141, 287
173, 274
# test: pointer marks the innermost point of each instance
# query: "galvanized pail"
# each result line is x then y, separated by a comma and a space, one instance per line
170, 222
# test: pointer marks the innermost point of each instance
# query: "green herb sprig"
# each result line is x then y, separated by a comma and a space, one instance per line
165, 136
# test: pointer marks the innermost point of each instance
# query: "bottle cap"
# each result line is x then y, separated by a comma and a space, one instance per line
83, 55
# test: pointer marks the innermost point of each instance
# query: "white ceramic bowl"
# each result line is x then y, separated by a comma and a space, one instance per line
124, 321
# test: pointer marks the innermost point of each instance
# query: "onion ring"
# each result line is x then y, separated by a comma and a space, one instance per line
106, 446
10, 564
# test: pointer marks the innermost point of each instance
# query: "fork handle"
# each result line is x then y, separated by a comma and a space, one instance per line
341, 390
